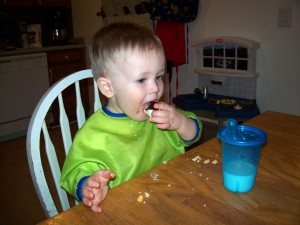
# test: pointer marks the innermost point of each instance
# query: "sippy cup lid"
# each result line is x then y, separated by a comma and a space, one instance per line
241, 135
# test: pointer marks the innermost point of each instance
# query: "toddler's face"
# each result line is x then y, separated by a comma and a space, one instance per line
138, 81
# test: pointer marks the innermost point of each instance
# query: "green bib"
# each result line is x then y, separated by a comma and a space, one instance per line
117, 143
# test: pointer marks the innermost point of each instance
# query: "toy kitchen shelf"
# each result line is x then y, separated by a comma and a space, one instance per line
227, 66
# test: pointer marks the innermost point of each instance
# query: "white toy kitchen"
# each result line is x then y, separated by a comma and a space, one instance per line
226, 69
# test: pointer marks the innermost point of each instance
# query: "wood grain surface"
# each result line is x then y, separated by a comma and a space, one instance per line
189, 191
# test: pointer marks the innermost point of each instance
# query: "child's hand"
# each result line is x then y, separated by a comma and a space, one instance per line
95, 188
167, 117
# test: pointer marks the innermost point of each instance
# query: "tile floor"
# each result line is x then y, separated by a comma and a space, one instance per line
19, 202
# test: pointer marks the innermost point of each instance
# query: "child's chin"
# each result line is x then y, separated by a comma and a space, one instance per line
141, 117
144, 118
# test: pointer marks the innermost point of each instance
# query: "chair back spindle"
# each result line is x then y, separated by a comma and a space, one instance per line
38, 128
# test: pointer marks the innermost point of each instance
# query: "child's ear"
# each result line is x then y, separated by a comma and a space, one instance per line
105, 87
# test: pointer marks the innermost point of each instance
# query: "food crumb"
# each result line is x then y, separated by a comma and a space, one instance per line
197, 158
154, 176
200, 174
206, 178
140, 198
204, 205
169, 185
214, 162
206, 161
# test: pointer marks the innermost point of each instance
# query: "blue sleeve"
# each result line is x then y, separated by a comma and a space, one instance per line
79, 187
198, 130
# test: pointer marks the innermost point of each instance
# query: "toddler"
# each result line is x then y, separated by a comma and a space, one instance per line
120, 141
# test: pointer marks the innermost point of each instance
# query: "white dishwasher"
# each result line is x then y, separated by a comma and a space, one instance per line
23, 81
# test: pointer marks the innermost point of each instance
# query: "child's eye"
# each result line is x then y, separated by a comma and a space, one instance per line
141, 80
159, 77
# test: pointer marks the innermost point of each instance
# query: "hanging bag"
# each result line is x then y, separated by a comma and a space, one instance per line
171, 16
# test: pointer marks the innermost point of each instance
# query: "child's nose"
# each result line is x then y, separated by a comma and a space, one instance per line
154, 87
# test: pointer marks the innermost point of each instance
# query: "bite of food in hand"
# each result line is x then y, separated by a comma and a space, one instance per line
150, 108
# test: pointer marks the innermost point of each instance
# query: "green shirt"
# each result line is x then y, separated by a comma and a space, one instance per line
116, 142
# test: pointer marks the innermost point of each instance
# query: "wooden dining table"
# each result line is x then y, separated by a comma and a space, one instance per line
189, 189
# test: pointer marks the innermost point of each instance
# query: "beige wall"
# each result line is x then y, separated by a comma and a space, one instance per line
85, 21
278, 59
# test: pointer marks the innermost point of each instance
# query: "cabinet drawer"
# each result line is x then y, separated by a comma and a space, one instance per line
65, 56
60, 71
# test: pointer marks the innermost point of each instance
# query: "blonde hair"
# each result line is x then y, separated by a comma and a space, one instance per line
116, 40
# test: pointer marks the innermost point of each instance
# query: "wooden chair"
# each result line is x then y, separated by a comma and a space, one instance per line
35, 143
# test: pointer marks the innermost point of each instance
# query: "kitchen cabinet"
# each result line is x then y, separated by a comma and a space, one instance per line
53, 3
63, 63
16, 2
39, 3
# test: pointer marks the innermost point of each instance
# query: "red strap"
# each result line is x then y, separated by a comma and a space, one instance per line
177, 81
170, 92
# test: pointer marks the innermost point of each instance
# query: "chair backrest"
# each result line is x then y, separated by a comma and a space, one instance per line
38, 128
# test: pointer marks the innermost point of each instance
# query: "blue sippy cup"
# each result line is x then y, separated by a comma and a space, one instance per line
241, 147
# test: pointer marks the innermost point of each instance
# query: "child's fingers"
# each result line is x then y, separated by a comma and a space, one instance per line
163, 106
92, 182
104, 175
98, 178
87, 202
87, 193
96, 208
